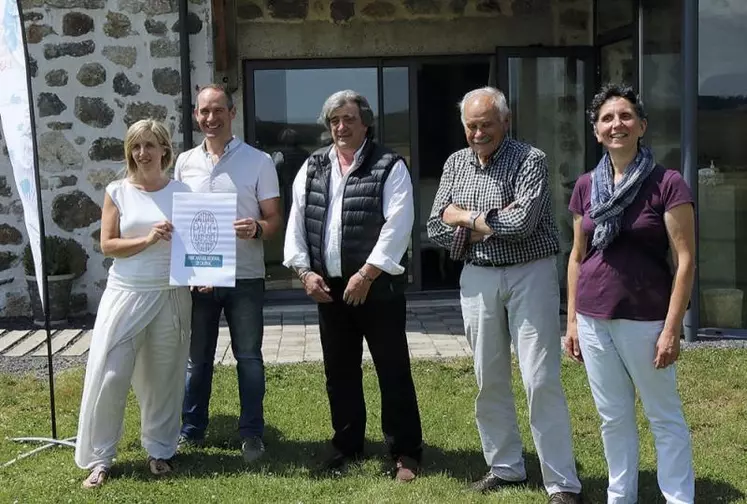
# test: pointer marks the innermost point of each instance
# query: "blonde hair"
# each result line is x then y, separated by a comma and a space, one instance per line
163, 137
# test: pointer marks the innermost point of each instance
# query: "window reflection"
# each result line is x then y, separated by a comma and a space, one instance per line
617, 62
722, 159
294, 98
547, 102
662, 78
440, 133
396, 134
613, 14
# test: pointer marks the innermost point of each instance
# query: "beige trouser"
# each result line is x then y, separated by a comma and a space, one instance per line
520, 305
140, 338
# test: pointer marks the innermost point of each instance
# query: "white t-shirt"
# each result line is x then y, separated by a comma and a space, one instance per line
138, 211
244, 170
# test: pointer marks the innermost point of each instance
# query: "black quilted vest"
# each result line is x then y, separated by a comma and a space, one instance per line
362, 214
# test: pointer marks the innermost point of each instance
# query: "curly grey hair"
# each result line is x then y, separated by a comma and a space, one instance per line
341, 98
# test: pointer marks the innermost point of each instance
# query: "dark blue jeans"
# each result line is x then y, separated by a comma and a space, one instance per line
243, 308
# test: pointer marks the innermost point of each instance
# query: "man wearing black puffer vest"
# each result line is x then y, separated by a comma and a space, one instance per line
348, 232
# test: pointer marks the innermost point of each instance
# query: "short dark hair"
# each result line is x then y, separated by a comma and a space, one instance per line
216, 87
613, 90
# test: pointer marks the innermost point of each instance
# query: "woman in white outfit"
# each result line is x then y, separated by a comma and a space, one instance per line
141, 334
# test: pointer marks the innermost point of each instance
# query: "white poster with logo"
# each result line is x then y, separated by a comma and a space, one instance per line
16, 121
203, 244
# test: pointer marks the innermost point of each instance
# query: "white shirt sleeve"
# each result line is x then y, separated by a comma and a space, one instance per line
267, 183
399, 213
296, 250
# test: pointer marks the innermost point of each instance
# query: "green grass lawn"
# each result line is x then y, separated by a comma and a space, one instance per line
713, 384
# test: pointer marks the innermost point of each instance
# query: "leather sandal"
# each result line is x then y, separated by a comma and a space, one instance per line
97, 477
159, 467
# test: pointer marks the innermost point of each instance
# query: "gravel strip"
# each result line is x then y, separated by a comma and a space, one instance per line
37, 366
714, 343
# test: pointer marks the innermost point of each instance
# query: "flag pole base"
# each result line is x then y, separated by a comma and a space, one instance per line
49, 443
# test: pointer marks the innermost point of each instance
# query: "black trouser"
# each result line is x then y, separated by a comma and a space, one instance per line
342, 328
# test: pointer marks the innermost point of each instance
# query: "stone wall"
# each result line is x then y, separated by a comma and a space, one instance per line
388, 28
98, 66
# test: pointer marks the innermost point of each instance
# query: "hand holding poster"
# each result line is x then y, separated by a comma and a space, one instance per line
203, 249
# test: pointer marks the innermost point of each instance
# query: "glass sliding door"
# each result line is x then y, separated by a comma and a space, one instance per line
548, 91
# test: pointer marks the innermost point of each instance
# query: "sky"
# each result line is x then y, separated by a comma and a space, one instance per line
722, 48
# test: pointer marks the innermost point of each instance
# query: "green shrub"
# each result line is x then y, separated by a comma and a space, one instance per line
61, 257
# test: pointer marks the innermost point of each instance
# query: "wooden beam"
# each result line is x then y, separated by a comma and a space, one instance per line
220, 36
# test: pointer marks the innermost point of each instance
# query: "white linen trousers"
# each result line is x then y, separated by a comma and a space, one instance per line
521, 305
619, 358
140, 337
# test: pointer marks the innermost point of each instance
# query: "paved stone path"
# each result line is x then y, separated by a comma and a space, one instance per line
434, 329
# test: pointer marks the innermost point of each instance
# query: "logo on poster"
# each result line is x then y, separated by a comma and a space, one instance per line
204, 232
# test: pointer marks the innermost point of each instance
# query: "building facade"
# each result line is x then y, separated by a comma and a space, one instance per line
97, 66
413, 59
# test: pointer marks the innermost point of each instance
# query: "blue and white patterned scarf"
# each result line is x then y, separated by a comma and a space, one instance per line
609, 201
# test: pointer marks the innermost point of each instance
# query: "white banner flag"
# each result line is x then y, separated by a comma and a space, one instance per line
16, 121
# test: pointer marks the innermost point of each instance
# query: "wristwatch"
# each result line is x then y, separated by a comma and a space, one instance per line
473, 219
258, 232
302, 272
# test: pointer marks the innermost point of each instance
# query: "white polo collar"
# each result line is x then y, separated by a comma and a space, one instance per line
232, 144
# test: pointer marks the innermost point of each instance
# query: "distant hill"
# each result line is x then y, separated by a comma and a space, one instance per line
722, 102
397, 126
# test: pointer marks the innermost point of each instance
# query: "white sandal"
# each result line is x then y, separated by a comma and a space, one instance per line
97, 477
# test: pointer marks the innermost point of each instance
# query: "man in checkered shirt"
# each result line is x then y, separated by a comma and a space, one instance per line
493, 211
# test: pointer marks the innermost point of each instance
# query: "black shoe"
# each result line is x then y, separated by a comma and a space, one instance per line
491, 482
565, 498
252, 448
338, 462
186, 443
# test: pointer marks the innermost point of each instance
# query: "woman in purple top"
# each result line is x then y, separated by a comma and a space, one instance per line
625, 306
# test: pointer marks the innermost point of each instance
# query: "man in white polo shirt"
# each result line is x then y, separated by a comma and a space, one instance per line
223, 163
